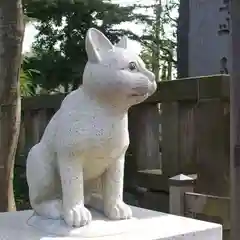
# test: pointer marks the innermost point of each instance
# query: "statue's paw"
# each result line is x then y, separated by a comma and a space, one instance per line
77, 216
118, 210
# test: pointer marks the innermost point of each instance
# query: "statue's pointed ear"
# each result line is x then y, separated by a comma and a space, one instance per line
123, 43
96, 44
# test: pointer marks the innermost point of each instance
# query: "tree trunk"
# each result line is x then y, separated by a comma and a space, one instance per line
11, 37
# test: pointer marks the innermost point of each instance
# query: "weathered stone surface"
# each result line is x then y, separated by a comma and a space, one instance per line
145, 225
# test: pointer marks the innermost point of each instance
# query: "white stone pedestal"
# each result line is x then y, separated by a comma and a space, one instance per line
146, 225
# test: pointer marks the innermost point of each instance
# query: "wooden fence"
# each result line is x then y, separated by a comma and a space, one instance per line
194, 137
184, 201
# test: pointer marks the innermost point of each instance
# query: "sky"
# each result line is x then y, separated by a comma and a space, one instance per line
30, 31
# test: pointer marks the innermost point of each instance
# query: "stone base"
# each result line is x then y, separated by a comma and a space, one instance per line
146, 225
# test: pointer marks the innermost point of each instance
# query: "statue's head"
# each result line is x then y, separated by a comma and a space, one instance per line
114, 72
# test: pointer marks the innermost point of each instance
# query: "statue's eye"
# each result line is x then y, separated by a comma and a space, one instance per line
132, 66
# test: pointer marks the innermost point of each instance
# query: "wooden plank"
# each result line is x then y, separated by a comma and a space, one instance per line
196, 140
186, 137
208, 207
153, 180
216, 87
152, 171
208, 87
42, 102
130, 170
157, 201
33, 125
212, 148
40, 123
170, 139
21, 139
21, 145
144, 137
28, 125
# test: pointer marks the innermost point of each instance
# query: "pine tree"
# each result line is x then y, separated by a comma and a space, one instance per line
59, 49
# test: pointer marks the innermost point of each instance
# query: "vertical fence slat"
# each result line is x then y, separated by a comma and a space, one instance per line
144, 137
170, 138
212, 136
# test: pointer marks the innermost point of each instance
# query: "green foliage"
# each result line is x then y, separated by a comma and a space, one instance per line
51, 67
159, 38
20, 188
59, 49
25, 84
26, 79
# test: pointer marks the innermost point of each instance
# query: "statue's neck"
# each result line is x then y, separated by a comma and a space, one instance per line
111, 106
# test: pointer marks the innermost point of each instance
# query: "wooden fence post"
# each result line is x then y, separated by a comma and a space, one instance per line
178, 185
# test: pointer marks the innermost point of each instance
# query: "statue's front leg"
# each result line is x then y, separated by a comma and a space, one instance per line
114, 207
71, 172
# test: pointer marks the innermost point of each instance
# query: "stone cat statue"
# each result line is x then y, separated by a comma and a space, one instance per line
80, 159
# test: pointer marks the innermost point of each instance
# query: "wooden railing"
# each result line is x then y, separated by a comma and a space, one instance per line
194, 136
